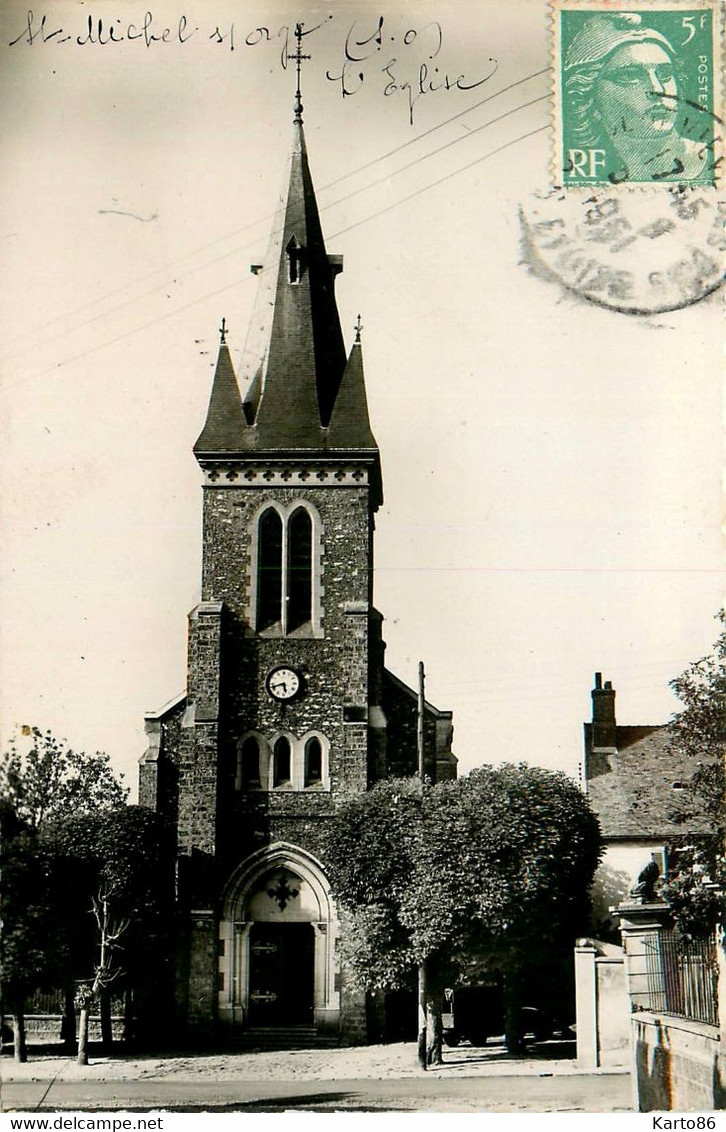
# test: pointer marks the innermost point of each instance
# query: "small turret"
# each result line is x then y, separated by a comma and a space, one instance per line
225, 416
350, 424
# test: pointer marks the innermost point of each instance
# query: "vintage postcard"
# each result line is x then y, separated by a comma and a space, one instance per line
361, 372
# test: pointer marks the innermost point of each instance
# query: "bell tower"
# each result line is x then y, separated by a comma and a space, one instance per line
287, 704
292, 482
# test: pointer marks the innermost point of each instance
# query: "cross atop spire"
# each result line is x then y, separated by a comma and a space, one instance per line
298, 57
358, 328
223, 332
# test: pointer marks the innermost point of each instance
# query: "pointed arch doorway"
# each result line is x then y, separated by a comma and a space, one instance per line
277, 944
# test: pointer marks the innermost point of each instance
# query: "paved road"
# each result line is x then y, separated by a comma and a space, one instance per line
580, 1093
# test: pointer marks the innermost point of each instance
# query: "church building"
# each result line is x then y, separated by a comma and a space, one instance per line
288, 707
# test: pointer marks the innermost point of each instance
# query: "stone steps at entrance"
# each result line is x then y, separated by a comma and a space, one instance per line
284, 1037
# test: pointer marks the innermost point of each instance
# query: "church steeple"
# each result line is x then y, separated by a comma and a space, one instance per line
298, 369
288, 708
305, 352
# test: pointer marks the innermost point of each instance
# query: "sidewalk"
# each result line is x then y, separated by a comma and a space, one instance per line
378, 1062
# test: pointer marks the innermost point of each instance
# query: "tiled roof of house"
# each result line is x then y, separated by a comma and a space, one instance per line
635, 776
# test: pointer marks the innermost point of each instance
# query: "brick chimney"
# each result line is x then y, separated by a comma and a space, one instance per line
604, 730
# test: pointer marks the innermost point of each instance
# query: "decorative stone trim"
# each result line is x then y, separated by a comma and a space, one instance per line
356, 607
270, 474
152, 727
675, 1022
235, 927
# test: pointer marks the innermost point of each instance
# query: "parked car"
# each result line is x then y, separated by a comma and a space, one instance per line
477, 1014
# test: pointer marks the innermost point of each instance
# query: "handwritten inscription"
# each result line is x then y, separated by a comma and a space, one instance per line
101, 33
408, 62
231, 37
410, 72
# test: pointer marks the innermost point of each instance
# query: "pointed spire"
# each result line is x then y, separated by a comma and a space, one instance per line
225, 423
350, 425
304, 354
294, 400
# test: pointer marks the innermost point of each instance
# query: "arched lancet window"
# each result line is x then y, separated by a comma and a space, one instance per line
313, 762
269, 570
299, 569
249, 764
287, 566
282, 762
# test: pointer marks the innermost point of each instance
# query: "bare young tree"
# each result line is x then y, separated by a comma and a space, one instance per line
110, 932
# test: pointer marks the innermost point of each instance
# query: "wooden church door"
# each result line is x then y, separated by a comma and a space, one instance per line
282, 957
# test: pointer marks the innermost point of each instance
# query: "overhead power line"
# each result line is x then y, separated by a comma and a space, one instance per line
334, 235
38, 343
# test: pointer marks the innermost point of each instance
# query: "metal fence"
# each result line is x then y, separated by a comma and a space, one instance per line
682, 976
45, 1002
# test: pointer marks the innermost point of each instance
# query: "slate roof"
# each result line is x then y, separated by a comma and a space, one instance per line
350, 424
633, 786
225, 418
295, 346
401, 686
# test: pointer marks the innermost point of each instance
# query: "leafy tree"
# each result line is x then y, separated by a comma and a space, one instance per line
696, 881
48, 780
43, 782
26, 921
694, 888
118, 865
478, 874
698, 732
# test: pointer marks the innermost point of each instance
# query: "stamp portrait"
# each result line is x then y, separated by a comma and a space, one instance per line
636, 98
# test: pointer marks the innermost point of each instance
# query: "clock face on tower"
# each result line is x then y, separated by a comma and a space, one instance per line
283, 683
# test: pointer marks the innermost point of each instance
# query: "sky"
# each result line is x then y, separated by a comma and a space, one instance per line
552, 467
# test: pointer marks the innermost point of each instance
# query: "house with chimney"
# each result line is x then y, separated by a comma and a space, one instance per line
634, 777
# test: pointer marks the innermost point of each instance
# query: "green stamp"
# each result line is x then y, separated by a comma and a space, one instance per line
637, 93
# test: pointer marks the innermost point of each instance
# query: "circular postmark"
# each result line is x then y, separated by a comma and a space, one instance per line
639, 252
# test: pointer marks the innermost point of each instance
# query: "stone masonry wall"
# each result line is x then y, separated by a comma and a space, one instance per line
159, 768
334, 666
220, 824
402, 743
679, 1066
198, 746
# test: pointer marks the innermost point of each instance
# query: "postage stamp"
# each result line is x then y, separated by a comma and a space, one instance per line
637, 92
